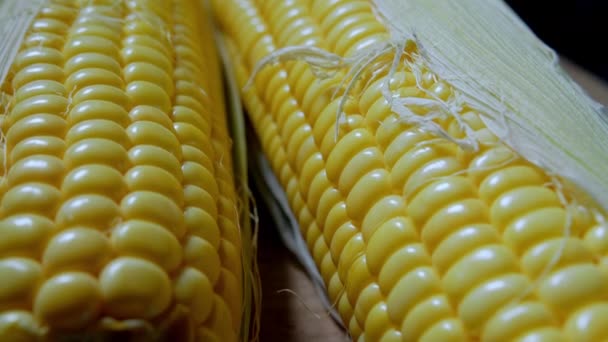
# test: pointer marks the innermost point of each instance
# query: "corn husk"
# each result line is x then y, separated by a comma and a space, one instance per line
15, 19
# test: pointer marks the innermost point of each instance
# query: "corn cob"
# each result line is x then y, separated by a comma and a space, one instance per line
416, 238
118, 204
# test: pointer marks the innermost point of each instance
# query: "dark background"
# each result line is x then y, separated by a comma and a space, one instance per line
576, 29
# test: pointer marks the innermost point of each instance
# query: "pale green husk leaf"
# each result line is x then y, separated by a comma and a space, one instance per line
513, 79
15, 19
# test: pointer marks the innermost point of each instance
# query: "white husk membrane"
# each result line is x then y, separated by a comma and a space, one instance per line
15, 19
482, 49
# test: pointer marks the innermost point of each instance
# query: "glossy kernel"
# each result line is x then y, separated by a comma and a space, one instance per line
201, 255
39, 104
147, 240
195, 291
35, 125
145, 132
37, 198
141, 71
80, 44
37, 168
24, 235
200, 223
38, 71
68, 300
20, 280
150, 113
39, 87
89, 59
143, 92
147, 205
98, 109
76, 249
19, 325
96, 151
142, 53
36, 55
155, 156
49, 145
90, 210
125, 298
152, 178
94, 178
101, 92
96, 128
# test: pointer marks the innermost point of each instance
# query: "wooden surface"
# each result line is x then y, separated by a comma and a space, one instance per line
291, 309
297, 315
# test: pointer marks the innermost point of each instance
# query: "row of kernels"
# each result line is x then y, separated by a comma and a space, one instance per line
34, 142
227, 285
156, 175
342, 182
27, 129
227, 206
456, 241
152, 207
298, 130
316, 241
94, 202
289, 20
80, 251
337, 20
35, 68
271, 141
289, 175
95, 142
193, 127
28, 126
422, 172
539, 231
225, 318
201, 190
410, 174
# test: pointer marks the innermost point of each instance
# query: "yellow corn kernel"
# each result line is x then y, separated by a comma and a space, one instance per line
81, 249
69, 300
416, 238
117, 201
